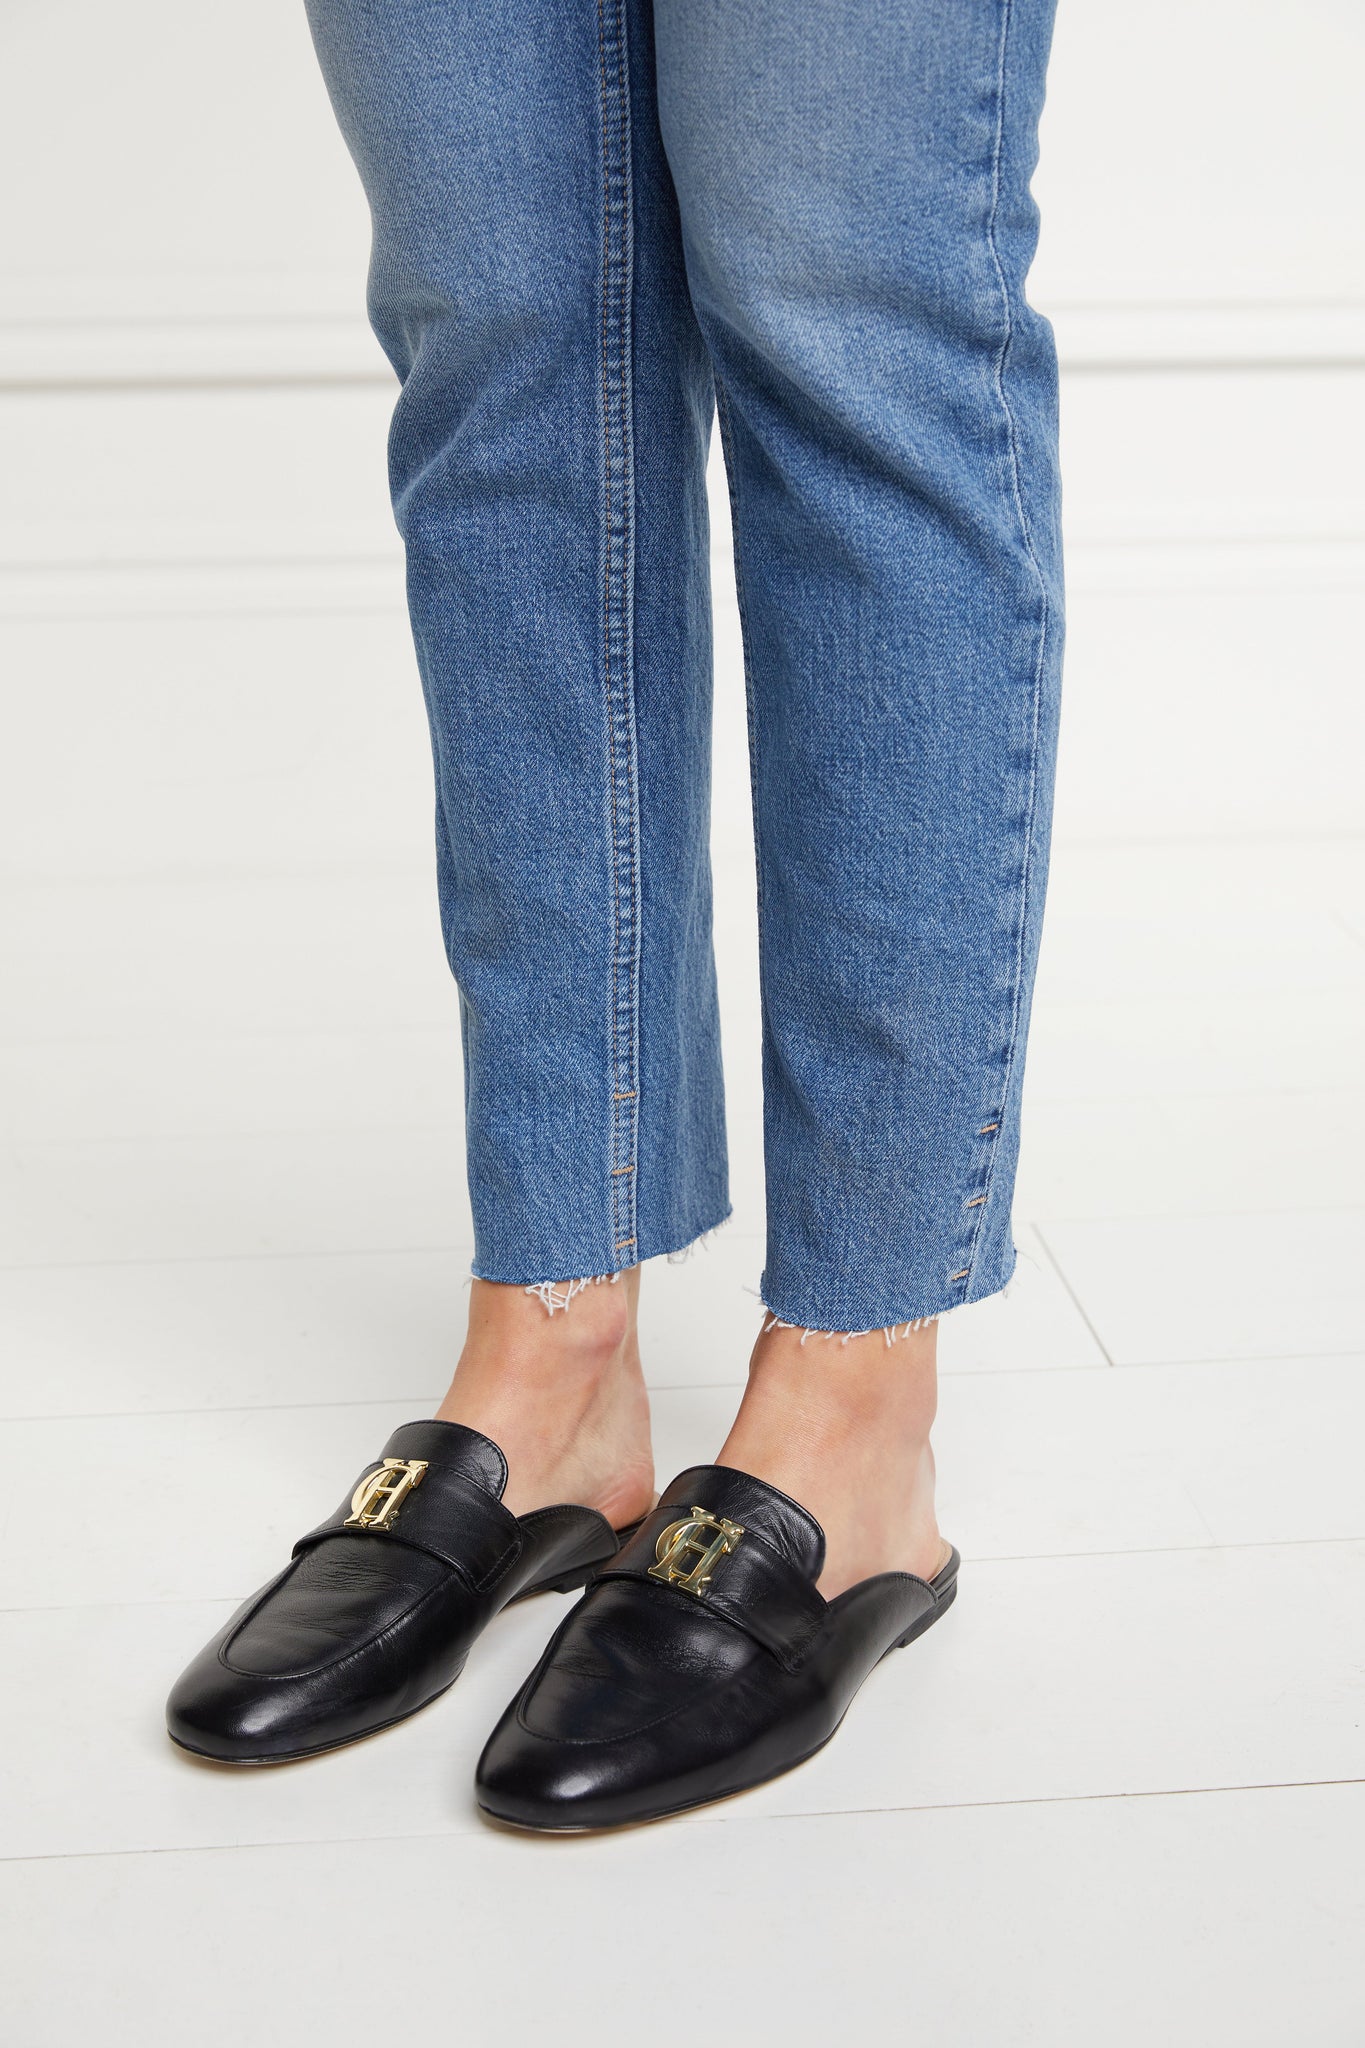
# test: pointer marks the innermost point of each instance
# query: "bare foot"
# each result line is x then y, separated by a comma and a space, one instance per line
562, 1394
843, 1427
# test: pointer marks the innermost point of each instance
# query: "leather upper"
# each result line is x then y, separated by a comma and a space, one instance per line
767, 1586
651, 1697
365, 1624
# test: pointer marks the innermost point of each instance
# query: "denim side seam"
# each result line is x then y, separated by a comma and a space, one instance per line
980, 1200
618, 618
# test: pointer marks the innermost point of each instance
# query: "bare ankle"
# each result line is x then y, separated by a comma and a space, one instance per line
561, 1391
844, 1428
550, 1319
834, 1388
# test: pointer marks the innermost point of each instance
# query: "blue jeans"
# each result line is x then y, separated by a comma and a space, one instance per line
594, 221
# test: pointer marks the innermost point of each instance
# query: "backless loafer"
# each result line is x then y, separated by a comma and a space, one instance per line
376, 1611
702, 1661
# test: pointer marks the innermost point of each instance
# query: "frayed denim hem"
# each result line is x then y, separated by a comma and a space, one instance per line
554, 1295
557, 1294
892, 1332
897, 1327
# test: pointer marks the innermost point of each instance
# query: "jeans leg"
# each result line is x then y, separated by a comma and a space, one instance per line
853, 178
547, 466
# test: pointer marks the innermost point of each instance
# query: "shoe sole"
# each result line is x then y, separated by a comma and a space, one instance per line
614, 1827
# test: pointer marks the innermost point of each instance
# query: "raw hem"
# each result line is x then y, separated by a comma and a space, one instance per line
896, 1327
892, 1332
565, 1289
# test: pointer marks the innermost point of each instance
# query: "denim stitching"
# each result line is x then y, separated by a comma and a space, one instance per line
1016, 485
617, 623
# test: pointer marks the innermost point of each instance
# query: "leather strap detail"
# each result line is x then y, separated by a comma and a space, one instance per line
754, 1588
450, 1516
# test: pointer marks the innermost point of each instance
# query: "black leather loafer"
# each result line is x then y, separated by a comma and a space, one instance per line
702, 1661
377, 1609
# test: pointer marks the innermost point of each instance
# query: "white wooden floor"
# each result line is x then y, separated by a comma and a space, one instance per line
1118, 1799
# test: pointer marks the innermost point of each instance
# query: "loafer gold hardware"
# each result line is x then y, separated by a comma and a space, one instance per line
375, 1502
699, 1537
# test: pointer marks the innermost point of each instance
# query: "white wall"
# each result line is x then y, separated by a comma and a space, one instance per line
181, 211
193, 413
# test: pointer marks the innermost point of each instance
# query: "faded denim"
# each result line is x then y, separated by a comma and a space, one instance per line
588, 219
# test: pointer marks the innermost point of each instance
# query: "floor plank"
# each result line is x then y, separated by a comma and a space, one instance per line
1033, 1464
1059, 1678
1159, 1288
1214, 1921
330, 1328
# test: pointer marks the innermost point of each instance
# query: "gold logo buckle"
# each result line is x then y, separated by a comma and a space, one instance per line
374, 1504
705, 1538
